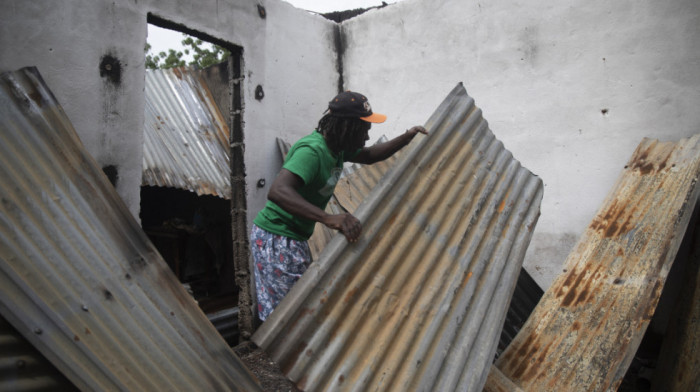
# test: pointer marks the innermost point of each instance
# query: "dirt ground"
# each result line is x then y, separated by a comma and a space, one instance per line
264, 368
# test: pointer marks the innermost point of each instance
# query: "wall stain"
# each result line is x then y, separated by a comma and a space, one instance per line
111, 69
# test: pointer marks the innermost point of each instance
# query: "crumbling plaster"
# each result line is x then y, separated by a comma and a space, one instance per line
570, 88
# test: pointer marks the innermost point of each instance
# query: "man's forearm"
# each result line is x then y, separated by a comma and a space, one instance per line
291, 201
394, 145
382, 151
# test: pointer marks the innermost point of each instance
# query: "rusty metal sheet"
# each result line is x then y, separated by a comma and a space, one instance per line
356, 183
418, 302
585, 331
78, 277
185, 136
497, 382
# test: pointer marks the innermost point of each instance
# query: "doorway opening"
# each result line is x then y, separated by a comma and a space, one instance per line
193, 205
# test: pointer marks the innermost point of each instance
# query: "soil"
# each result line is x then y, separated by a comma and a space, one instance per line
265, 369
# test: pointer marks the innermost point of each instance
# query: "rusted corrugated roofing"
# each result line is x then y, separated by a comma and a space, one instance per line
185, 135
418, 302
356, 183
585, 331
78, 277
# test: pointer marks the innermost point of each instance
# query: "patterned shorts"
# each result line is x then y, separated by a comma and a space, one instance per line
279, 263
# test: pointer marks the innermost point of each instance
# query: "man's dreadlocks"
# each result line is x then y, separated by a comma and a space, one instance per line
343, 133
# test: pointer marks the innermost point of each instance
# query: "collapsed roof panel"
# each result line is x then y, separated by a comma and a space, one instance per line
417, 303
586, 329
78, 277
185, 135
356, 183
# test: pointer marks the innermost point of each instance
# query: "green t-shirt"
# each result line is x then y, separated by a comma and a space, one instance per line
320, 169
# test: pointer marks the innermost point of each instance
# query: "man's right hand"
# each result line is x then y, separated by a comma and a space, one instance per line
346, 224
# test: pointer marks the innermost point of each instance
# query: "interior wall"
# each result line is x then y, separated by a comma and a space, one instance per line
571, 88
89, 59
91, 53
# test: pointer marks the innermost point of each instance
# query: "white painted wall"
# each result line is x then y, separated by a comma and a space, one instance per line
67, 43
543, 73
290, 53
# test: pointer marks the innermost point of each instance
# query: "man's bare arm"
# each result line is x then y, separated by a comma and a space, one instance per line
283, 192
382, 151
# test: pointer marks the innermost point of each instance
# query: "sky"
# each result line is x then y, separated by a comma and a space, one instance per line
162, 39
324, 6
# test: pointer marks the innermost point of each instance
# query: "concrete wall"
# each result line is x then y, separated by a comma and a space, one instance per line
290, 53
570, 87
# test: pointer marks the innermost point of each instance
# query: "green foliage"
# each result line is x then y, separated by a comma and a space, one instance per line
203, 55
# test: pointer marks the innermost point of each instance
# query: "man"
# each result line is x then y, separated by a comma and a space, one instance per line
298, 196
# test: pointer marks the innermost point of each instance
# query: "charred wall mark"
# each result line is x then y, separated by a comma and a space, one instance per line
339, 37
341, 16
111, 69
340, 42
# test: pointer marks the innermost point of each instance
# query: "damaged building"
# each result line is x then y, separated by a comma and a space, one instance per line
127, 196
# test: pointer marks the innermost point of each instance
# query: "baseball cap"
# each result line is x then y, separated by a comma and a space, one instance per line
352, 104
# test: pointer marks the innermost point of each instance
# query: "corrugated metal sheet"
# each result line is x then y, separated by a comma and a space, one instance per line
418, 302
185, 135
497, 382
586, 329
356, 183
226, 323
23, 368
78, 277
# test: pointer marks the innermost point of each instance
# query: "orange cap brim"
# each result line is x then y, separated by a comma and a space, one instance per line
374, 118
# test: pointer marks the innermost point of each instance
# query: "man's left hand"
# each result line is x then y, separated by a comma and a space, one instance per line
416, 130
